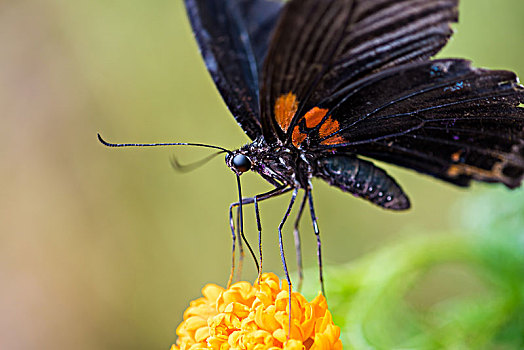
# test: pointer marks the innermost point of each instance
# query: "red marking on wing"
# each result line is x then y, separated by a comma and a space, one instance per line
470, 170
314, 116
297, 137
333, 140
328, 127
455, 157
285, 108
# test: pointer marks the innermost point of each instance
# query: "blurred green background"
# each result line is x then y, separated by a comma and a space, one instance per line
103, 248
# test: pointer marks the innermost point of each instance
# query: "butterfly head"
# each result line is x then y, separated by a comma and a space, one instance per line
238, 162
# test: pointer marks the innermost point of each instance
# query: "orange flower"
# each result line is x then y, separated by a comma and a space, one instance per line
247, 316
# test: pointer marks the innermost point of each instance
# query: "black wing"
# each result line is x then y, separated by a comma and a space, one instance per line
233, 37
354, 75
442, 117
320, 47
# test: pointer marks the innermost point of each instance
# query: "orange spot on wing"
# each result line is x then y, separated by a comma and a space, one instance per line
333, 140
314, 116
455, 157
285, 108
328, 127
297, 137
478, 173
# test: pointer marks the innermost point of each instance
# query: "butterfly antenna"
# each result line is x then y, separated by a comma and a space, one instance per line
185, 168
109, 144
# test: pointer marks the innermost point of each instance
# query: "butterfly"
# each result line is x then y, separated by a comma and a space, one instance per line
322, 86
319, 84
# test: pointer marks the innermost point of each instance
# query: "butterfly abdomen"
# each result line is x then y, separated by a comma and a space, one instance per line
363, 179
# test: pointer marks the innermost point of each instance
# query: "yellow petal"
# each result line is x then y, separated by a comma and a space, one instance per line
194, 322
265, 319
202, 334
211, 292
293, 344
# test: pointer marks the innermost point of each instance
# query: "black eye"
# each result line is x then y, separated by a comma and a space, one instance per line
241, 163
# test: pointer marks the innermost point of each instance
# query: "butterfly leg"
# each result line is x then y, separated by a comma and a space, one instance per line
319, 245
234, 240
259, 228
260, 197
240, 237
282, 256
233, 249
298, 242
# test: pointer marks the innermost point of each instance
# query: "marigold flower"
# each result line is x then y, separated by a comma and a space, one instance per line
247, 316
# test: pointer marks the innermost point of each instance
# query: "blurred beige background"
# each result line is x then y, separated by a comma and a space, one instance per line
103, 248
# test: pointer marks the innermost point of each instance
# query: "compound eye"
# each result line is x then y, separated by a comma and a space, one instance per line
241, 163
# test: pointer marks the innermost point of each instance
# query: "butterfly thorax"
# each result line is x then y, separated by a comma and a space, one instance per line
279, 165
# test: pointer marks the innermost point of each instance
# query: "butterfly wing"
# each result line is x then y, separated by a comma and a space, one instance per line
320, 47
442, 117
233, 37
354, 75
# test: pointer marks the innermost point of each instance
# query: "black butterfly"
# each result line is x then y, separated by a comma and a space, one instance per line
316, 84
